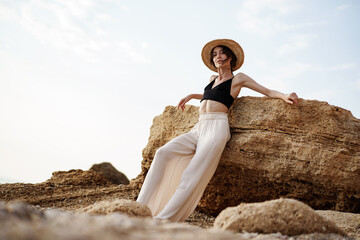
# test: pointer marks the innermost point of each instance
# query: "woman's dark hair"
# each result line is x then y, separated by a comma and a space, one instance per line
228, 53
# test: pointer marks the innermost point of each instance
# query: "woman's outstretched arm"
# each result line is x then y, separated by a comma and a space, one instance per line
188, 98
246, 81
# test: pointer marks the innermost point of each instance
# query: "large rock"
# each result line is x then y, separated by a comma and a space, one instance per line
128, 207
111, 173
286, 216
309, 151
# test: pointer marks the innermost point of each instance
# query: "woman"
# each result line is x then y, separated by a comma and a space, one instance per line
183, 167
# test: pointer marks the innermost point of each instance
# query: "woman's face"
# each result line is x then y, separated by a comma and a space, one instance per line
219, 58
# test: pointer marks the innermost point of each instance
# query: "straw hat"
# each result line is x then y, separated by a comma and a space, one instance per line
234, 47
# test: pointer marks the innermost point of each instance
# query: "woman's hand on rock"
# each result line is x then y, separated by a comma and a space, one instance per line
291, 98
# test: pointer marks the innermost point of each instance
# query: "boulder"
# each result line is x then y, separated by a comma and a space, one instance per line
347, 222
128, 207
309, 152
286, 216
78, 177
110, 173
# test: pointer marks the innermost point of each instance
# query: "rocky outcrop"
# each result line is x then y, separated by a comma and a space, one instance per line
110, 173
128, 207
78, 177
68, 190
286, 216
309, 152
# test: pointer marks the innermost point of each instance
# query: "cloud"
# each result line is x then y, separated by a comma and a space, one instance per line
79, 9
295, 69
342, 7
267, 17
296, 43
144, 44
71, 27
357, 82
280, 77
343, 66
135, 56
287, 72
8, 10
3, 48
263, 16
320, 94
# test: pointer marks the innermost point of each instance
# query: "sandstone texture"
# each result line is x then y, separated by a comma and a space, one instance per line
309, 152
348, 222
286, 216
110, 173
21, 221
78, 177
69, 190
128, 207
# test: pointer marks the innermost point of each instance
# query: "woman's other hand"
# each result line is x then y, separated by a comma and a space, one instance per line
183, 101
291, 98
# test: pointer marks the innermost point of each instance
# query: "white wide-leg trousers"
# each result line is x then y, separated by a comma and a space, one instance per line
183, 167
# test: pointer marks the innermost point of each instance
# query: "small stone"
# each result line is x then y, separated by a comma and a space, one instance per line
286, 216
125, 206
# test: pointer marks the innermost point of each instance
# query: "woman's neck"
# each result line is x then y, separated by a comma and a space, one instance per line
224, 74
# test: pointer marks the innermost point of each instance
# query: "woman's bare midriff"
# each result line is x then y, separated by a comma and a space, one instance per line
209, 106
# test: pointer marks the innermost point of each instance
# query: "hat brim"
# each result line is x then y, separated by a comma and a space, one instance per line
231, 44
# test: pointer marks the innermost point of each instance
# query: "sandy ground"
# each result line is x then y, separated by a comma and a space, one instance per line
72, 197
76, 189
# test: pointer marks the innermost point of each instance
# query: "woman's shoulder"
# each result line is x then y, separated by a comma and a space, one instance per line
213, 77
239, 75
239, 78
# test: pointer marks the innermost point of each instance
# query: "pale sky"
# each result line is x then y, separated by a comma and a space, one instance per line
81, 81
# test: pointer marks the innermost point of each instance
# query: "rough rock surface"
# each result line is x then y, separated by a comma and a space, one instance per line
348, 222
310, 152
79, 178
128, 207
286, 216
110, 173
21, 221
